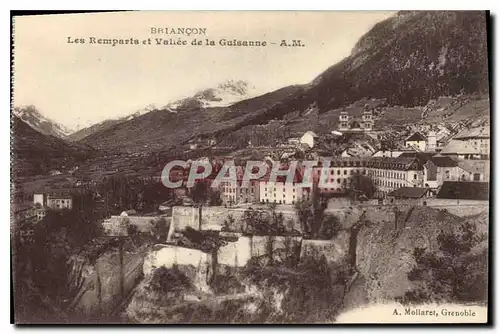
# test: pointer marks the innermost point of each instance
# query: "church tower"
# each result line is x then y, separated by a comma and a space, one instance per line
367, 121
344, 121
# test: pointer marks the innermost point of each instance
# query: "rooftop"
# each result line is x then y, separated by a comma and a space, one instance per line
443, 161
464, 190
417, 136
409, 192
59, 196
481, 132
311, 133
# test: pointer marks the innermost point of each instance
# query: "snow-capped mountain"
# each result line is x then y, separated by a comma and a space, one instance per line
223, 95
31, 116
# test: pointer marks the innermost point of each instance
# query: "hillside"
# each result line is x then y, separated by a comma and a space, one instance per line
161, 129
34, 153
402, 62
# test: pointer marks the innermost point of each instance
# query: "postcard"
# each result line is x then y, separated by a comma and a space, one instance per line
250, 167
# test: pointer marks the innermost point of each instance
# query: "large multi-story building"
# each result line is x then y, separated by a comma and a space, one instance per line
387, 174
469, 144
280, 191
233, 192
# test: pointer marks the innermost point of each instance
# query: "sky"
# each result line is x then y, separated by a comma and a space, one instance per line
79, 84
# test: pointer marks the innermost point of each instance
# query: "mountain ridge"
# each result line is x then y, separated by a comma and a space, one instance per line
34, 118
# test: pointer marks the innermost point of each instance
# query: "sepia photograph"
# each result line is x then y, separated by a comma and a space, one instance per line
250, 167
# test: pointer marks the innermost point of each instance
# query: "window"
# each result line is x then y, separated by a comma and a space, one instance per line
477, 177
447, 174
338, 180
338, 172
414, 176
332, 172
345, 172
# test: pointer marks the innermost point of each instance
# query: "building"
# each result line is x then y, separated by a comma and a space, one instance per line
442, 169
282, 192
474, 170
59, 202
431, 145
476, 138
40, 214
417, 141
439, 169
309, 138
234, 193
40, 199
348, 123
387, 174
332, 179
469, 144
391, 153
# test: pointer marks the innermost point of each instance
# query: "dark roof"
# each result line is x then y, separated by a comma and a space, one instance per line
60, 196
409, 192
417, 136
444, 162
422, 156
464, 190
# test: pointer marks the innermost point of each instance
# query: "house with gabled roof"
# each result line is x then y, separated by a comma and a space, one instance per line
417, 141
413, 193
309, 138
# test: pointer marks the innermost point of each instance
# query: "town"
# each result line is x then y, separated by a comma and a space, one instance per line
443, 167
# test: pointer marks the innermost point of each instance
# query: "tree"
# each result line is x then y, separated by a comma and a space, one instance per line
358, 185
160, 229
51, 276
314, 221
199, 194
214, 198
456, 272
228, 224
256, 222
